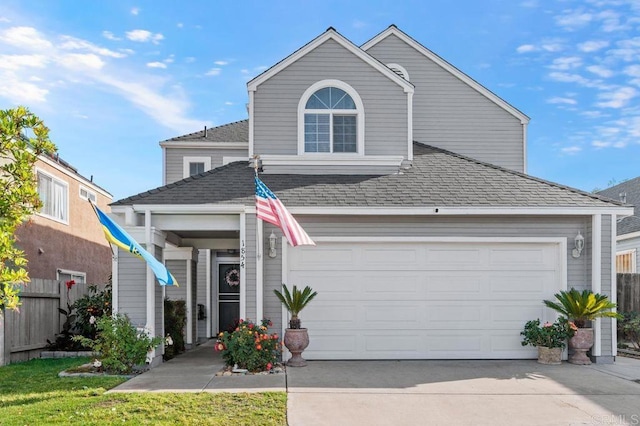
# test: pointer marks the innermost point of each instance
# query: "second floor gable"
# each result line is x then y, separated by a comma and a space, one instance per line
334, 107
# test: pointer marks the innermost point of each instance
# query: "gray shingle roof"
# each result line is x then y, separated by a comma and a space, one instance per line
232, 132
632, 190
438, 178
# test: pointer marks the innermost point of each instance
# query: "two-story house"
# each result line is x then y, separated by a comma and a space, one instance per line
64, 240
432, 241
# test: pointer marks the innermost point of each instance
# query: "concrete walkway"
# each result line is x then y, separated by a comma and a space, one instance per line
194, 371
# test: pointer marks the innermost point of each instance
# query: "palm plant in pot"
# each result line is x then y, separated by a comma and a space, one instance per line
296, 338
581, 307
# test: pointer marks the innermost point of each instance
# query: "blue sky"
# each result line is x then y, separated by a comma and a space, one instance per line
112, 79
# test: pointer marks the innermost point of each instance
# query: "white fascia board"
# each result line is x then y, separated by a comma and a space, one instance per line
204, 144
448, 67
331, 160
627, 236
330, 34
138, 233
182, 208
196, 222
180, 253
454, 211
75, 176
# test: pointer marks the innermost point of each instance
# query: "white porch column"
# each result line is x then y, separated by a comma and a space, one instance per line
188, 257
596, 275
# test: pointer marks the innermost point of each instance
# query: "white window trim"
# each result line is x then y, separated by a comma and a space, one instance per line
63, 183
400, 68
70, 272
358, 112
90, 192
188, 160
633, 254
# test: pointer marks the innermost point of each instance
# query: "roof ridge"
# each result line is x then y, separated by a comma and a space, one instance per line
201, 131
520, 174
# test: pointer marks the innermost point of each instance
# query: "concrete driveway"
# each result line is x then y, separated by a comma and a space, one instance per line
463, 393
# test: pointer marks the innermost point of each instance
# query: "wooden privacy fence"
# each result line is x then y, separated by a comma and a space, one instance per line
24, 334
628, 292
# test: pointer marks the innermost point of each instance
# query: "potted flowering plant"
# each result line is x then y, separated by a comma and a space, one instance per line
549, 338
582, 307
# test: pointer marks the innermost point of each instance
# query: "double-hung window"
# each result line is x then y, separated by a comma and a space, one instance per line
330, 122
54, 195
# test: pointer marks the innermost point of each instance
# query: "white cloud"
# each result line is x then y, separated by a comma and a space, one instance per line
228, 103
189, 59
72, 43
552, 46
21, 92
357, 24
529, 3
559, 100
168, 110
180, 25
632, 70
156, 65
611, 21
592, 45
214, 71
14, 62
618, 98
574, 19
4, 19
144, 36
600, 71
566, 63
25, 37
110, 36
81, 60
169, 59
135, 11
592, 114
568, 78
600, 144
525, 48
221, 63
571, 150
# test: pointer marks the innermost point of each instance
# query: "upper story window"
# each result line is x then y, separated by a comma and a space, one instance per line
331, 119
87, 194
626, 262
54, 195
195, 165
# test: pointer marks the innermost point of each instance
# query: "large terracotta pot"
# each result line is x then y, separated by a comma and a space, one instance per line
551, 356
296, 340
580, 343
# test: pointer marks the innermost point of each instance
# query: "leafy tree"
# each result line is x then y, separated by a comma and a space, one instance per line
23, 137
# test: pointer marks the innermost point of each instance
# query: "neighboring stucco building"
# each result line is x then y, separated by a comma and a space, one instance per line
432, 241
65, 240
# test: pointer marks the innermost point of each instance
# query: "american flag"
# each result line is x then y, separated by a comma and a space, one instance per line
270, 209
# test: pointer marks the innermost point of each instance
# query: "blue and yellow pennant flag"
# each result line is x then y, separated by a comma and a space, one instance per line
118, 236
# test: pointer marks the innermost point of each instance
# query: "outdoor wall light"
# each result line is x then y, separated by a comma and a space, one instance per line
272, 245
579, 245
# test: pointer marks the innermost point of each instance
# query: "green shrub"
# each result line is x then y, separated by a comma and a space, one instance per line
629, 326
175, 317
91, 307
120, 344
550, 335
249, 346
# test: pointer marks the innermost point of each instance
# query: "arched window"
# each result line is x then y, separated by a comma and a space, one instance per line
332, 119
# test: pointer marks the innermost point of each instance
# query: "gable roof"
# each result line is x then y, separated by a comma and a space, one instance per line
232, 132
631, 189
393, 30
438, 178
330, 34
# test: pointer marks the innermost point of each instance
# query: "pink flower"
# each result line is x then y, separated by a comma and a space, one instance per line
548, 324
70, 284
269, 367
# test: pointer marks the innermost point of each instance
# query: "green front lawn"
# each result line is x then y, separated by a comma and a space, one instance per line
31, 393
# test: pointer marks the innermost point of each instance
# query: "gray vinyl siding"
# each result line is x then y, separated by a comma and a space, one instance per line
178, 269
630, 244
201, 274
449, 114
275, 113
132, 288
174, 163
578, 270
333, 169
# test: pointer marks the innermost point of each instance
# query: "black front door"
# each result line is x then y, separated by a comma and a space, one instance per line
228, 296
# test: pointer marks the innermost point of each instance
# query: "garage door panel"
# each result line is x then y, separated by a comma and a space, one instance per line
424, 300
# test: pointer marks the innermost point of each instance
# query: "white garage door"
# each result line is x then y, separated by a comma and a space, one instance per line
424, 300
